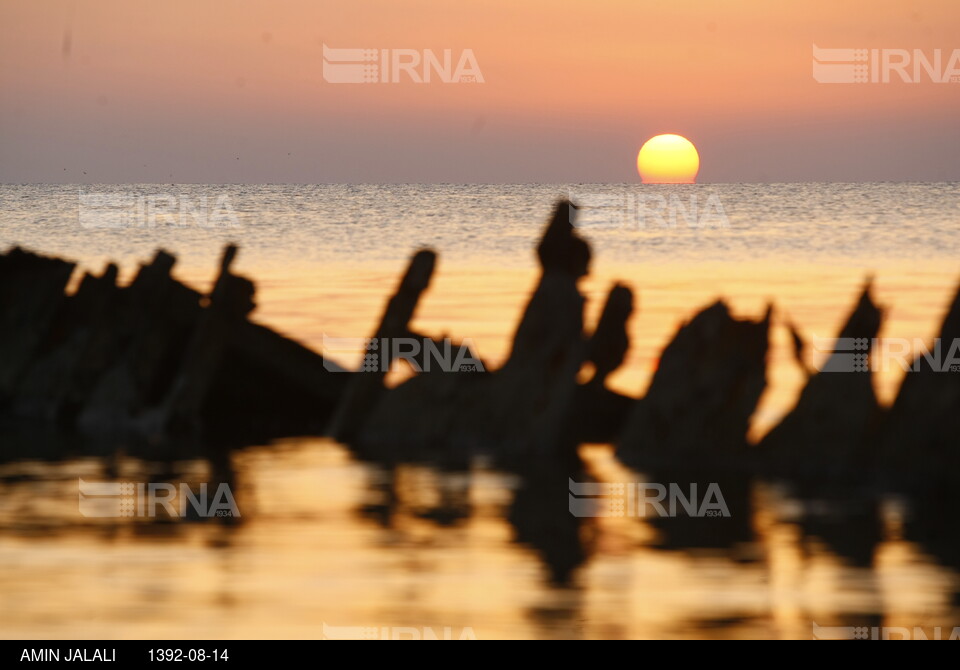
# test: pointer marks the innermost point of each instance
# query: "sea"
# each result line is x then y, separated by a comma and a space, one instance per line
327, 545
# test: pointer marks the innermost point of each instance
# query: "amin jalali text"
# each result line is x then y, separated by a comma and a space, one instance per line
79, 654
69, 655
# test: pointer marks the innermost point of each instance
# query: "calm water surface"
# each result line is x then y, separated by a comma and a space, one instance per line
324, 539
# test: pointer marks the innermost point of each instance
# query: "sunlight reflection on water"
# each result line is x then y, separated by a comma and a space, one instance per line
324, 538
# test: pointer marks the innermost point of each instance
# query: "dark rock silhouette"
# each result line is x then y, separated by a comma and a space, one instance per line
366, 388
698, 407
413, 421
154, 358
829, 433
598, 413
527, 415
920, 441
523, 411
59, 379
31, 294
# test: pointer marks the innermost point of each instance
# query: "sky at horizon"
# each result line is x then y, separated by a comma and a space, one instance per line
109, 91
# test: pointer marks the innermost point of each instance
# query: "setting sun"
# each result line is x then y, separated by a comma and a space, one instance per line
668, 159
352, 321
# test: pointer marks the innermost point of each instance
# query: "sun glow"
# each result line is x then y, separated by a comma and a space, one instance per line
668, 159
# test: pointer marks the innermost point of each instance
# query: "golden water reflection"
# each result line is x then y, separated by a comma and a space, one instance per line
313, 546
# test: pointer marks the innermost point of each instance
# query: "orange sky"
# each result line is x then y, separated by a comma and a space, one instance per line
232, 91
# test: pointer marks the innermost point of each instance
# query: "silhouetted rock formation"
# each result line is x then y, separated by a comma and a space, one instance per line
157, 358
415, 420
921, 432
529, 408
159, 370
31, 295
153, 358
598, 413
366, 388
698, 407
829, 432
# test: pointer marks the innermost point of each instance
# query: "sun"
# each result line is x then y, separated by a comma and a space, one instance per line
668, 159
